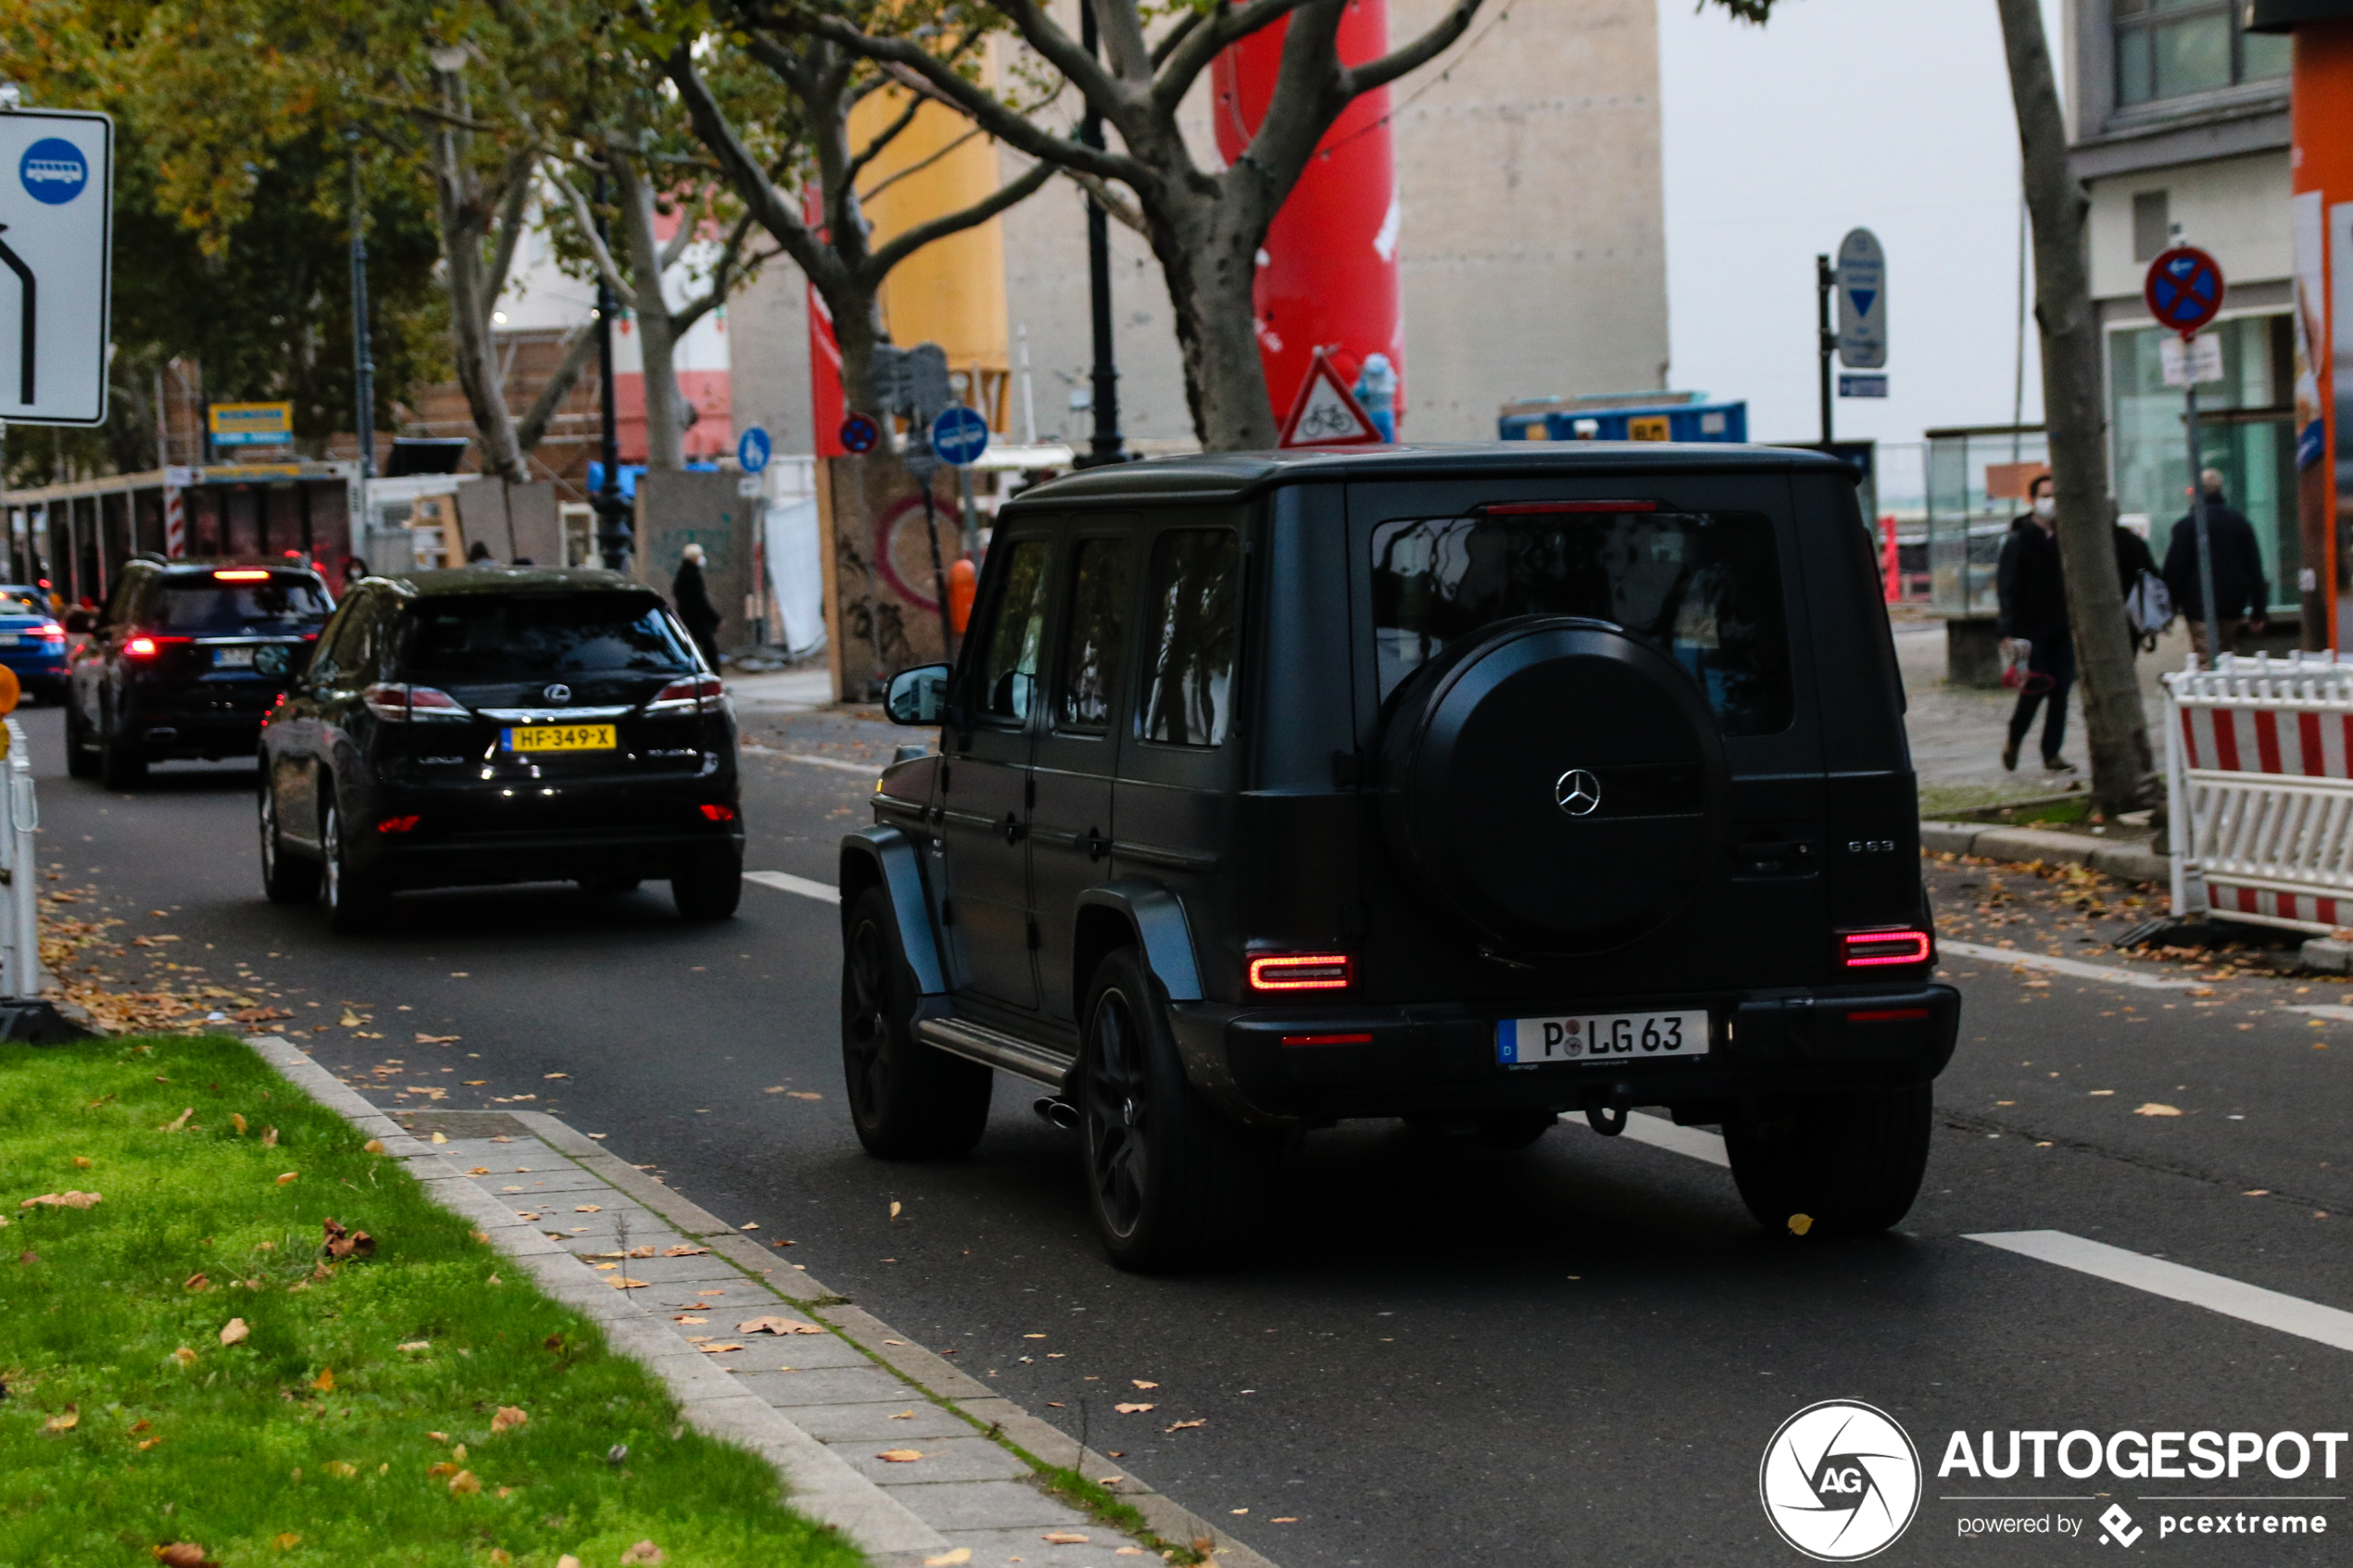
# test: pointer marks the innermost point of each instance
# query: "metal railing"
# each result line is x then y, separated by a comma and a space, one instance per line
2258, 755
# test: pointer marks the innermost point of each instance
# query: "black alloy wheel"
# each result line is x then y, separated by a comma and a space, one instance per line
355, 899
907, 1100
1172, 1180
286, 880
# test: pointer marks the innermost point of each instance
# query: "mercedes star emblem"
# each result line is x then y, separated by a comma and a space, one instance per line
1577, 792
557, 692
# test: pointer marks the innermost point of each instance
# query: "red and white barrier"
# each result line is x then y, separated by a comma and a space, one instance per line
2259, 775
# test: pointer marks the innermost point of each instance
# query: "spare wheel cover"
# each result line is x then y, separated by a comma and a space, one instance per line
1556, 784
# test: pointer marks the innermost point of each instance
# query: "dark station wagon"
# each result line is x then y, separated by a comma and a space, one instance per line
1470, 786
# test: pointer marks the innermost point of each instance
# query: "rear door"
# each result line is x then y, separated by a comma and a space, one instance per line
985, 786
1078, 744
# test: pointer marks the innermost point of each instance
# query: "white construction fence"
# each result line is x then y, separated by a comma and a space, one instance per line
22, 976
2259, 776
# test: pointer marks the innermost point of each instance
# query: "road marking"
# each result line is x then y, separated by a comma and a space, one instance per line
868, 769
784, 882
2249, 1303
1659, 1133
2076, 967
2326, 1010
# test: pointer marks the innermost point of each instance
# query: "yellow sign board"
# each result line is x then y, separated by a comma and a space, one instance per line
1648, 427
251, 424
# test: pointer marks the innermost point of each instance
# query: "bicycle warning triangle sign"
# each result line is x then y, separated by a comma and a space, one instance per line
1326, 414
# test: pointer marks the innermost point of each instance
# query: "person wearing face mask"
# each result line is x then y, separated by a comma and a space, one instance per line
2033, 588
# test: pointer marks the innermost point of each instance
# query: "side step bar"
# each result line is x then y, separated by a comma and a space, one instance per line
990, 1047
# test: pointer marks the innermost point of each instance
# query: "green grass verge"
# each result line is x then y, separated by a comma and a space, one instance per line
129, 1424
1974, 801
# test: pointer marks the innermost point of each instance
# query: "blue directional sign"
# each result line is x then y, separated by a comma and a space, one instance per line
958, 435
752, 450
56, 246
1862, 302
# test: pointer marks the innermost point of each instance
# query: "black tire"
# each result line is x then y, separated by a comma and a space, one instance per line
1851, 1162
356, 900
286, 879
1172, 1180
121, 765
907, 1100
710, 887
81, 760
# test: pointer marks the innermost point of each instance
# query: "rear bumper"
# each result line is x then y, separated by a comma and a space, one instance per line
491, 859
1414, 1060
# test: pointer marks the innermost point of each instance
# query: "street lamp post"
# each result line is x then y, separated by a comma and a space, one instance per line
363, 355
612, 512
1106, 444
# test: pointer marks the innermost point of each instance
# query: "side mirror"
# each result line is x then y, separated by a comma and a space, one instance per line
78, 620
917, 696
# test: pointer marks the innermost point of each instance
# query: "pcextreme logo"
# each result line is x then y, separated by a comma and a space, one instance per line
1840, 1481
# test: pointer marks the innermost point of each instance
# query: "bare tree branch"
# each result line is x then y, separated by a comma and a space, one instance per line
513, 201
917, 167
889, 133
599, 251
764, 203
1109, 200
914, 239
542, 412
1413, 57
1191, 49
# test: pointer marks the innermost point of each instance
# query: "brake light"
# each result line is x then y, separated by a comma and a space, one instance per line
140, 647
1888, 1015
241, 576
1873, 949
1327, 1039
396, 824
719, 813
399, 702
694, 695
1544, 508
1299, 972
53, 632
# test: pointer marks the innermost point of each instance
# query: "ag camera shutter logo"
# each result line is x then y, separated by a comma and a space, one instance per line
52, 172
1840, 1481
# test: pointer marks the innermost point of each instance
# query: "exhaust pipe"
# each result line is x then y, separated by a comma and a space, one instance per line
1057, 1112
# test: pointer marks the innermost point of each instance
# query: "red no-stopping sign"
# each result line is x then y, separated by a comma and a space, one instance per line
2184, 289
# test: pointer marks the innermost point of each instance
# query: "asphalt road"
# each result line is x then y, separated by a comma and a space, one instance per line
1572, 1355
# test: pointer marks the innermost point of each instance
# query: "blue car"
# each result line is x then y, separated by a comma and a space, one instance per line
32, 641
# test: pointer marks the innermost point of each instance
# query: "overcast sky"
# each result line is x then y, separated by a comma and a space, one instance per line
1891, 115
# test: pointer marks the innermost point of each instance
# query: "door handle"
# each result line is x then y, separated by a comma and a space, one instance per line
1097, 845
1010, 827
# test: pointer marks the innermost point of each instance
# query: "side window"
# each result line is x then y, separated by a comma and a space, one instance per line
346, 649
1102, 577
1192, 622
1016, 637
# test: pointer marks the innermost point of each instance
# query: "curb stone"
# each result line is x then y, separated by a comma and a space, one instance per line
2126, 861
995, 1516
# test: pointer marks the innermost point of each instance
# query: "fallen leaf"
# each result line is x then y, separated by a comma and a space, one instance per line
343, 1468
1284, 1519
287, 1177
900, 1456
688, 1317
440, 1467
588, 1208
1131, 1551
1180, 1426
904, 1415
181, 1554
1063, 1537
234, 1332
644, 1552
195, 1282
62, 1201
1800, 1223
237, 1120
2153, 1108
894, 1208
1141, 1383
441, 1137
179, 1120
752, 1226
82, 1162
555, 1074
350, 1019
717, 1350
500, 1556
627, 1283
374, 1146
270, 1137
2257, 1192
341, 1244
437, 1039
184, 1356
804, 1094
1131, 1409
286, 1542
459, 1453
65, 1421
567, 1561
464, 1485
640, 1252
775, 1326
1108, 1480
415, 1345
325, 1380
953, 1558
507, 1419
684, 1252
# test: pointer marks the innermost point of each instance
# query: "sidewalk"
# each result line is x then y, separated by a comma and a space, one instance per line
912, 1458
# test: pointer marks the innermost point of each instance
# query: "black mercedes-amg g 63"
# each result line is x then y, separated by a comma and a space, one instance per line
1473, 786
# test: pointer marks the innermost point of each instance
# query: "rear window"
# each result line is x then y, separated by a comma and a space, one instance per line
482, 637
1705, 588
22, 601
204, 605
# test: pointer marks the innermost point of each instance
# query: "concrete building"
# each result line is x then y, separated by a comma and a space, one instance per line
2180, 126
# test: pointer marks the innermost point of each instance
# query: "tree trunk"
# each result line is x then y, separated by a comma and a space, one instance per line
1210, 263
657, 339
2121, 773
464, 221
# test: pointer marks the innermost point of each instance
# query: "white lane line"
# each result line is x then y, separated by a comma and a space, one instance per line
2076, 967
2249, 1303
2326, 1010
868, 768
784, 882
1660, 1133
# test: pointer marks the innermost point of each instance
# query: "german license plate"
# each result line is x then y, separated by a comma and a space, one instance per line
233, 658
1610, 1036
559, 737
9, 639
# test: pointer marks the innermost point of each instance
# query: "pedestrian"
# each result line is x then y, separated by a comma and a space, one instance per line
1375, 389
478, 553
692, 598
354, 569
2033, 588
2240, 591
2135, 562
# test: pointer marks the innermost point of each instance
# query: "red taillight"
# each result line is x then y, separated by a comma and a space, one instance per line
140, 647
1544, 509
239, 576
398, 703
1872, 949
396, 824
719, 813
690, 695
1327, 1039
53, 632
1888, 1015
1299, 972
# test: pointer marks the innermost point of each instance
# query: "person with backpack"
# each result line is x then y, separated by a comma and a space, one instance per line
2148, 608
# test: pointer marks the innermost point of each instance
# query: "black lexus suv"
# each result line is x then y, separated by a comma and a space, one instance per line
501, 724
184, 662
1471, 786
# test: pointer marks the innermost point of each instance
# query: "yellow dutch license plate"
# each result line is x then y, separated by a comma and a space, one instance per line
559, 737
